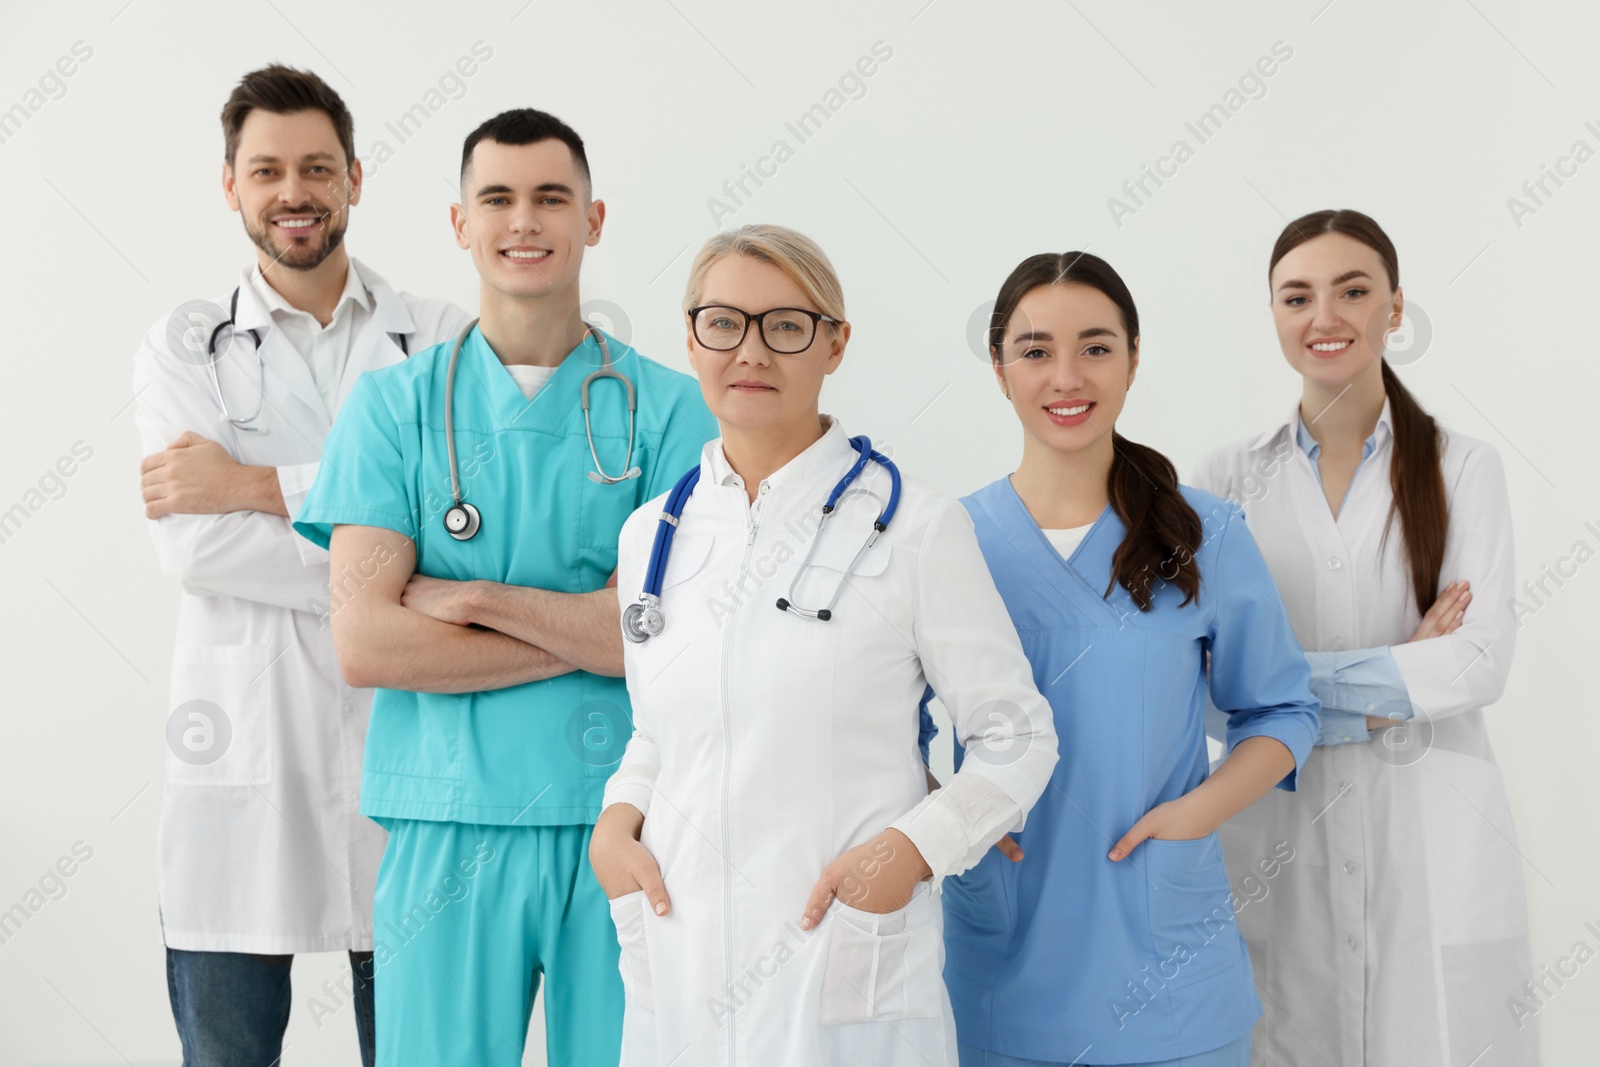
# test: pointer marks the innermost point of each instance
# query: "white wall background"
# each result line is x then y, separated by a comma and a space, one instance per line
988, 135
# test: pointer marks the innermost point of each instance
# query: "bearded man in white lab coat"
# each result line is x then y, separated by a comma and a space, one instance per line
263, 851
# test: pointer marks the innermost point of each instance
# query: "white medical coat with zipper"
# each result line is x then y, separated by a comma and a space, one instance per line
263, 848
766, 744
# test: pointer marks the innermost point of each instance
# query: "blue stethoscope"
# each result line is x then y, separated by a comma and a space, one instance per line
462, 520
644, 620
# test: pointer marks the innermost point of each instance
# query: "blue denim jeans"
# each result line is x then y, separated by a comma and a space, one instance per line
232, 1008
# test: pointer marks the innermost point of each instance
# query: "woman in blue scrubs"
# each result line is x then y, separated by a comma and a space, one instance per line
1114, 940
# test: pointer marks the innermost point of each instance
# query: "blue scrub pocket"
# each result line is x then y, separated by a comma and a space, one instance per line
1192, 925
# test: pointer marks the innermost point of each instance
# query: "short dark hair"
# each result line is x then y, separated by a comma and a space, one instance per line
283, 91
525, 125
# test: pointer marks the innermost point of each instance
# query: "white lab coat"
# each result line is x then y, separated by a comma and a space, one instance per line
264, 849
766, 744
1399, 930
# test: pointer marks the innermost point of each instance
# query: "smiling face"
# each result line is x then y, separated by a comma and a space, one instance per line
291, 184
1333, 307
1067, 361
526, 216
752, 387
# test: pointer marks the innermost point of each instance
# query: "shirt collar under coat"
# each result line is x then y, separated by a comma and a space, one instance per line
829, 454
354, 291
1290, 430
389, 311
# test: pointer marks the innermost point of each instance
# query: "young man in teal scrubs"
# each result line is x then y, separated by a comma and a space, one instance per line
500, 708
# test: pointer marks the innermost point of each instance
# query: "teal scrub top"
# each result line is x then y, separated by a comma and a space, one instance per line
532, 754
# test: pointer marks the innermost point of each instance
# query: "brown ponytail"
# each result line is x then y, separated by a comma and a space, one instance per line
1416, 482
1416, 479
1163, 531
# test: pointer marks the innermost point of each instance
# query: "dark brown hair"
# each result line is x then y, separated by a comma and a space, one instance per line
1416, 480
283, 91
1163, 531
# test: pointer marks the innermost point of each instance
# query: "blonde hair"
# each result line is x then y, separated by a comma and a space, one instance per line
790, 251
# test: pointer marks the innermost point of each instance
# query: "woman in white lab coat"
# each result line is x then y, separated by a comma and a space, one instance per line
774, 772
1398, 933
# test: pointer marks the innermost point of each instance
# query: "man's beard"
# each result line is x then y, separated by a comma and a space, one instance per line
298, 257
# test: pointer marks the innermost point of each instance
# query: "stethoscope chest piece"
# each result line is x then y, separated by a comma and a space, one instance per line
643, 620
461, 521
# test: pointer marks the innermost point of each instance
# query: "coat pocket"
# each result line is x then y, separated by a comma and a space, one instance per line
1192, 925
884, 967
627, 914
220, 730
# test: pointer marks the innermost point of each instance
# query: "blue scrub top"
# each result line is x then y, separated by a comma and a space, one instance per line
1140, 959
533, 754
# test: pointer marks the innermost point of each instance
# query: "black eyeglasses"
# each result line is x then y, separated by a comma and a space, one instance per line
787, 331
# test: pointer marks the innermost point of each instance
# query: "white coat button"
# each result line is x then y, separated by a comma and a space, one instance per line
1353, 942
1338, 644
1334, 563
1349, 868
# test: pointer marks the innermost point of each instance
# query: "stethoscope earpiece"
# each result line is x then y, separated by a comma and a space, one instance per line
606, 479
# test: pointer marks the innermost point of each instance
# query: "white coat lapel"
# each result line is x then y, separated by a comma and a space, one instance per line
291, 391
375, 345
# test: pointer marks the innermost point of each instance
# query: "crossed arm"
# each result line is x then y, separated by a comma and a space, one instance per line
393, 627
381, 642
401, 630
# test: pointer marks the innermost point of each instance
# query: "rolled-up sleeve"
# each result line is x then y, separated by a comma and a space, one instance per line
1353, 684
1259, 677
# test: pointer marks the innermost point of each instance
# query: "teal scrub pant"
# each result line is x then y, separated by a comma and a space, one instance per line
465, 920
1233, 1054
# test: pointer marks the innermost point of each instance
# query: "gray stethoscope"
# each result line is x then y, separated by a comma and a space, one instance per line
461, 519
226, 418
644, 620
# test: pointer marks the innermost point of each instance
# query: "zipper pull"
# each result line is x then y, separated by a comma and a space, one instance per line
755, 514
